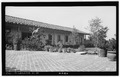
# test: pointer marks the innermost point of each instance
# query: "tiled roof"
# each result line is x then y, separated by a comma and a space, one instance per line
17, 20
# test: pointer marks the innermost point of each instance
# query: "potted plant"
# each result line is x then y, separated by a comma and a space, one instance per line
112, 55
103, 51
112, 50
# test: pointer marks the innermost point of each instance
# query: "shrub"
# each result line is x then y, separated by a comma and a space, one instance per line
88, 43
51, 49
47, 47
73, 50
33, 44
48, 42
81, 48
36, 41
56, 49
69, 50
70, 46
13, 38
60, 50
112, 44
8, 47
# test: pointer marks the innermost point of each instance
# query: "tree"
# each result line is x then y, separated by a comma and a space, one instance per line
101, 37
13, 38
98, 32
75, 35
36, 41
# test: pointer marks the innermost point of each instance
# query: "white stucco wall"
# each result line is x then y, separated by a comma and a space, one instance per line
62, 34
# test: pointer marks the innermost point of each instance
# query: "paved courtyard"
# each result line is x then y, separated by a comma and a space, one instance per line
42, 61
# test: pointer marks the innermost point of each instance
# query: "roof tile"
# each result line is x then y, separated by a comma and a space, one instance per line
17, 20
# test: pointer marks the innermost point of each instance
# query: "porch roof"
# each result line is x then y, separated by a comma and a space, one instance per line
18, 20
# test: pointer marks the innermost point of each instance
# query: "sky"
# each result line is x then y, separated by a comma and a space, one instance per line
77, 16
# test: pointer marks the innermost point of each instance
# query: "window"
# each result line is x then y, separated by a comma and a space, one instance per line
50, 37
81, 40
49, 41
58, 38
66, 38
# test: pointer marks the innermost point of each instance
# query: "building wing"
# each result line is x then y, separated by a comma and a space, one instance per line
18, 20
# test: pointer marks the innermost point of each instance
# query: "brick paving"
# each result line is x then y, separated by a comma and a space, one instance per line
42, 61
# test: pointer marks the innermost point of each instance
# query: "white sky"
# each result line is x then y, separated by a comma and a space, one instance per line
78, 16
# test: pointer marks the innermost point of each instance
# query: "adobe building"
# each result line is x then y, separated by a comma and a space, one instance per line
52, 32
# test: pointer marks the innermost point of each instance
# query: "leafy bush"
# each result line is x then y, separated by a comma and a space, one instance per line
47, 47
88, 43
82, 48
8, 47
55, 49
33, 44
36, 41
73, 50
112, 44
70, 46
69, 50
48, 42
64, 50
13, 39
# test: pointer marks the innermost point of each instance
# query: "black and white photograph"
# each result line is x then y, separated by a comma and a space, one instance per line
52, 38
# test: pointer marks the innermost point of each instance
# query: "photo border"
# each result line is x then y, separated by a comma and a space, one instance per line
60, 4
